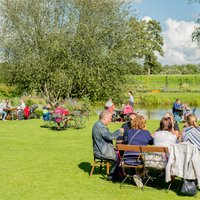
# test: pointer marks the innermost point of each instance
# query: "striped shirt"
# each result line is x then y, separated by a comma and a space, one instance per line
192, 135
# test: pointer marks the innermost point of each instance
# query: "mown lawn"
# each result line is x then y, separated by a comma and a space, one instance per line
40, 164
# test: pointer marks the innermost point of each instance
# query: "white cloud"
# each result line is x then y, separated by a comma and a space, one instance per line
146, 18
178, 46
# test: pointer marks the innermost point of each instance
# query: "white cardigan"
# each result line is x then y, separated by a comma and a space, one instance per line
184, 162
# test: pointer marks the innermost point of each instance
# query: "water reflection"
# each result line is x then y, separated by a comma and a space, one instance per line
157, 112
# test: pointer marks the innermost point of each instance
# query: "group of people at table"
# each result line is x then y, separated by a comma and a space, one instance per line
126, 109
135, 132
7, 110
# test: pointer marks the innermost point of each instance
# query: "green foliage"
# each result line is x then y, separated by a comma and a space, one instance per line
39, 112
192, 99
7, 91
181, 69
74, 47
185, 87
165, 83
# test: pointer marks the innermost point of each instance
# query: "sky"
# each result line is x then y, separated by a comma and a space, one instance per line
178, 19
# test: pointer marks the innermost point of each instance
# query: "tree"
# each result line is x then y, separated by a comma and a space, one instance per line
154, 43
196, 32
62, 48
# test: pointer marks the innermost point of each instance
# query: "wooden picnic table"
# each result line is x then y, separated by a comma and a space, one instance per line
11, 113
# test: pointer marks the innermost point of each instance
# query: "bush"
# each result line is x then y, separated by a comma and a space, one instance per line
185, 87
7, 91
39, 112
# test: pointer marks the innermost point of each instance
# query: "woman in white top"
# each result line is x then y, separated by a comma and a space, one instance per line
164, 136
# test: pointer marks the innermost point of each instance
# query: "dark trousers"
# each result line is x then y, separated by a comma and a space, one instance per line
114, 172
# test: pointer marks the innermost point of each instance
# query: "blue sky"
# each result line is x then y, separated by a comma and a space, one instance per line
161, 10
178, 20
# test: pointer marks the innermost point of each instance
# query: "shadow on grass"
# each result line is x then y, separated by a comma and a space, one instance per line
160, 184
86, 167
44, 126
53, 128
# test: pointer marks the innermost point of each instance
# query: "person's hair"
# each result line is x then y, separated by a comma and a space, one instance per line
130, 92
177, 100
191, 120
131, 114
166, 124
104, 114
169, 114
138, 122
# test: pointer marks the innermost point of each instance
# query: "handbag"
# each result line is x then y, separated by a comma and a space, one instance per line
155, 160
189, 187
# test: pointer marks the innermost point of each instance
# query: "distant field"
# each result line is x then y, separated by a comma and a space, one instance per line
164, 89
177, 83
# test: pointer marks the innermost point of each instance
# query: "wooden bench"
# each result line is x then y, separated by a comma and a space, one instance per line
143, 150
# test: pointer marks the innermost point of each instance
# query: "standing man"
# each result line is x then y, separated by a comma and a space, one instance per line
102, 141
131, 98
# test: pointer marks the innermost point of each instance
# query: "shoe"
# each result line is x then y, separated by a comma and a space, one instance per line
138, 181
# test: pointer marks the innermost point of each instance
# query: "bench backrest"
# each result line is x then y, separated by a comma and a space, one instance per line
154, 149
124, 147
142, 149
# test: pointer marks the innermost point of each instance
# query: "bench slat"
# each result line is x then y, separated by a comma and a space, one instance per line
154, 149
125, 147
142, 149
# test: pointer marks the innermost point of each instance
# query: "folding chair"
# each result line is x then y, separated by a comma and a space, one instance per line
130, 161
58, 120
155, 161
101, 163
77, 119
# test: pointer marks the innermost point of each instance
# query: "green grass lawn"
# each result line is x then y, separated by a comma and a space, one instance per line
40, 164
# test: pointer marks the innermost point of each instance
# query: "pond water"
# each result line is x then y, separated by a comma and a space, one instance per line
158, 112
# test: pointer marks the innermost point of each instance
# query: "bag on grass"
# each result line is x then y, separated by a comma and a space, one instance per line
189, 187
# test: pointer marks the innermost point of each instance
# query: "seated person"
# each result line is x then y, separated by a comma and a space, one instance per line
2, 112
175, 126
102, 141
109, 106
138, 135
127, 110
58, 114
126, 126
191, 131
8, 103
20, 109
177, 110
164, 136
27, 112
46, 112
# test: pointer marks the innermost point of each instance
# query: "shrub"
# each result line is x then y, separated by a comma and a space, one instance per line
185, 87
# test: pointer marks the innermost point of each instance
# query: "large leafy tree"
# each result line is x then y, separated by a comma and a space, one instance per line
69, 47
154, 43
196, 32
